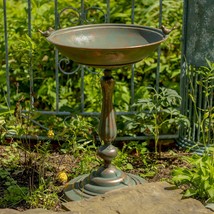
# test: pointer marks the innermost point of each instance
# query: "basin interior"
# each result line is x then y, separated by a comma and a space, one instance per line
106, 37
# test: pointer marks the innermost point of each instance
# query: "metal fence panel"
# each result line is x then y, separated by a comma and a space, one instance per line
198, 46
199, 28
81, 13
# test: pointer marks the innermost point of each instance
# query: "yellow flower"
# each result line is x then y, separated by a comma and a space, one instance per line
62, 177
50, 133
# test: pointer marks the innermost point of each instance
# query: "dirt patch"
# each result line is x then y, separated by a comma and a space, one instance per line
28, 168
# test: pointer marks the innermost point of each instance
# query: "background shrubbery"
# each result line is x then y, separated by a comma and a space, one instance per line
32, 57
32, 62
36, 53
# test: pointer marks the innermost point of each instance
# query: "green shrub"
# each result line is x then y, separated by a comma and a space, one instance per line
34, 57
198, 178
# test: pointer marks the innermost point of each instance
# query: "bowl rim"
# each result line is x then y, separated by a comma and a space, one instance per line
113, 25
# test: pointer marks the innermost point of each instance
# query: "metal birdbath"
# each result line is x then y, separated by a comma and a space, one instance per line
105, 46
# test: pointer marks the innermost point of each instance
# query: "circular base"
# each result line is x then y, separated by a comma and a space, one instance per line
88, 185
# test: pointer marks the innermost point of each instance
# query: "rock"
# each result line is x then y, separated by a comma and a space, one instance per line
210, 206
9, 211
37, 211
43, 211
149, 198
33, 211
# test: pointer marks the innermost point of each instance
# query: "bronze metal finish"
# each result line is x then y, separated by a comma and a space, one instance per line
107, 177
107, 46
167, 31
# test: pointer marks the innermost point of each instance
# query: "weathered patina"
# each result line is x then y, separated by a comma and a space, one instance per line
106, 46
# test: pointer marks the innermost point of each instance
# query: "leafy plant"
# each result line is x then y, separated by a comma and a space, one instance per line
123, 161
87, 161
45, 196
13, 193
78, 133
10, 156
132, 154
32, 57
157, 114
198, 178
31, 60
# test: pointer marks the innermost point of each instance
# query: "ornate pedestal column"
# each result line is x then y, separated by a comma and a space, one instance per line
107, 177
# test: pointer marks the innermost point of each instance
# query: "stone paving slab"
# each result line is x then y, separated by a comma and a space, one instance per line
149, 198
34, 211
9, 211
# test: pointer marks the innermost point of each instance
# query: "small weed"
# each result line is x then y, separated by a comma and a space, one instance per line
13, 193
10, 156
122, 161
77, 135
198, 178
45, 196
88, 160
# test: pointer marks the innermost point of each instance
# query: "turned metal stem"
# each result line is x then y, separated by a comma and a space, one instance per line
107, 177
107, 127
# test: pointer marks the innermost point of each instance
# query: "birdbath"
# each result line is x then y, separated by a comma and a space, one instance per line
106, 46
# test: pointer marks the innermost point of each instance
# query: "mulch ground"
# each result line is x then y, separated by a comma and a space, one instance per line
25, 171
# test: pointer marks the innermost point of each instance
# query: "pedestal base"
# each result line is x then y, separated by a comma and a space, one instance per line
89, 185
107, 177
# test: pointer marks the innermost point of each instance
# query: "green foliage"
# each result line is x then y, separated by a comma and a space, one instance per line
122, 161
70, 132
139, 152
10, 157
133, 152
31, 60
157, 114
198, 178
34, 164
147, 13
33, 57
77, 134
87, 161
45, 196
122, 97
201, 81
13, 193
